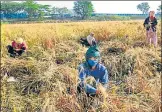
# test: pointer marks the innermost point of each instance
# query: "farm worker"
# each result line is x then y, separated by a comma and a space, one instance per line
150, 25
92, 68
17, 48
89, 41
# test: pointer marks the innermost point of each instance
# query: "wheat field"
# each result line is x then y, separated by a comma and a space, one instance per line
43, 75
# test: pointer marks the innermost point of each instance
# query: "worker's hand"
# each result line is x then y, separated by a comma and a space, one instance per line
98, 92
17, 49
147, 25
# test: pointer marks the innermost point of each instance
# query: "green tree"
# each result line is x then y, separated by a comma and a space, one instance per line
55, 10
42, 10
8, 7
35, 10
60, 11
31, 8
83, 9
159, 9
144, 7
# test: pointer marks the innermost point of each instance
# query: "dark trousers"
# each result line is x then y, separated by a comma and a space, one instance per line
85, 42
13, 52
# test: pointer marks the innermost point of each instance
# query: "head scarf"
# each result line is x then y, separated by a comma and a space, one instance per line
93, 51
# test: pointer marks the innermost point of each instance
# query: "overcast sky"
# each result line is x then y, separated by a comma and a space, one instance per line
107, 6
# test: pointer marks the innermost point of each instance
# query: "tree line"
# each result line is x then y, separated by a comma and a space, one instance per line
144, 7
81, 9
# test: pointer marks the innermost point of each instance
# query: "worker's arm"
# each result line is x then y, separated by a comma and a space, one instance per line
14, 45
82, 75
154, 23
24, 47
145, 22
104, 78
90, 89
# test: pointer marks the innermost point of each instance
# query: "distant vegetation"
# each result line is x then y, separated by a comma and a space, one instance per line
32, 11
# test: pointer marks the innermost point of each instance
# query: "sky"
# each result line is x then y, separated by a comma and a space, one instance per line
107, 6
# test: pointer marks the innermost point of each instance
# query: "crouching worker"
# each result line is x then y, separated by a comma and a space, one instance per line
17, 48
89, 41
92, 68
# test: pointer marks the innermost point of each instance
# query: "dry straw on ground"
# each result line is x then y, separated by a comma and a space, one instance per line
44, 74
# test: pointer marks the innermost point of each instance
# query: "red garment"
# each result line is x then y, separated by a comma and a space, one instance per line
19, 46
152, 18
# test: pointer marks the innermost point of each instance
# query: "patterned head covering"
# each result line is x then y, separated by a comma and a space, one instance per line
93, 51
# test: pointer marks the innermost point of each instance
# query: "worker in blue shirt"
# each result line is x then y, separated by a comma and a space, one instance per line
92, 68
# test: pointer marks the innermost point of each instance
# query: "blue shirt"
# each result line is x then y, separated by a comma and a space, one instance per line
100, 74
